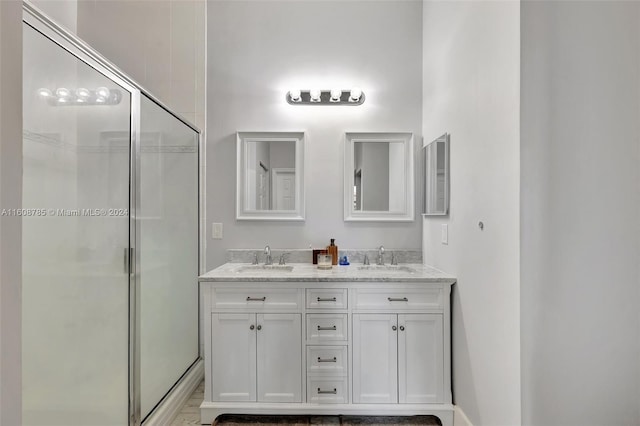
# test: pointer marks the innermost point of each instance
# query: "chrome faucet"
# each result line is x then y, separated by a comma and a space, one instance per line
255, 258
267, 252
283, 258
394, 261
366, 259
380, 256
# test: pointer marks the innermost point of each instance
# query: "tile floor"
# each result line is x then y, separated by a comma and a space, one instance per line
190, 412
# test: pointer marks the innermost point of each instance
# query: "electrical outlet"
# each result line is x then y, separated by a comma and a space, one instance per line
444, 233
216, 231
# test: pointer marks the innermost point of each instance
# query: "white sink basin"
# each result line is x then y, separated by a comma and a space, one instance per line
265, 268
387, 268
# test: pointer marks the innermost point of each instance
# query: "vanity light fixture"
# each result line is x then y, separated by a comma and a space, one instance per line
44, 92
314, 95
352, 97
355, 94
80, 96
336, 94
294, 95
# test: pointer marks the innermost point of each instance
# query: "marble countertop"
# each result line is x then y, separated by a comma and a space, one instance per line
306, 272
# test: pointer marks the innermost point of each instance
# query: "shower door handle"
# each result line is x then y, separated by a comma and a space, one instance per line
128, 255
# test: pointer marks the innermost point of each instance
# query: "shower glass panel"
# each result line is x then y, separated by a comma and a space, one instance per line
75, 282
168, 229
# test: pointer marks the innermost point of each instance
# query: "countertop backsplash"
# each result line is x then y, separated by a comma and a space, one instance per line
355, 256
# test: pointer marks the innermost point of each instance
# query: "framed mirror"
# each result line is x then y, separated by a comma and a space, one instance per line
270, 176
378, 177
436, 160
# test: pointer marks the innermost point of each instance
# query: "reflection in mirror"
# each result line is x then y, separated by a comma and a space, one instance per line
270, 176
437, 177
379, 177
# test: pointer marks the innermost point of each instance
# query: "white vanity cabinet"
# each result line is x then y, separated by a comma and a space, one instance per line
327, 346
406, 353
258, 358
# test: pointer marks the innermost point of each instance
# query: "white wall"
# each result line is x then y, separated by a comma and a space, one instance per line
580, 208
10, 197
257, 50
159, 43
64, 12
471, 90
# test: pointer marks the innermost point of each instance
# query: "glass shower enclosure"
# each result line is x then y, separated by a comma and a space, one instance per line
110, 238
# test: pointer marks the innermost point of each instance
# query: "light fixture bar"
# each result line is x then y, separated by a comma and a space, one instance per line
304, 97
62, 96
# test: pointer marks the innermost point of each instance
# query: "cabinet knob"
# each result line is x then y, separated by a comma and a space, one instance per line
251, 327
402, 328
394, 328
259, 327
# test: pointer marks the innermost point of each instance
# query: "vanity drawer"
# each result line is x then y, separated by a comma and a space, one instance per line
256, 299
326, 327
398, 300
327, 298
327, 390
327, 360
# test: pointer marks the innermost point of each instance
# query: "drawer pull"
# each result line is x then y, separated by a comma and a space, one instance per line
327, 360
327, 328
402, 328
256, 299
327, 299
397, 299
251, 327
333, 392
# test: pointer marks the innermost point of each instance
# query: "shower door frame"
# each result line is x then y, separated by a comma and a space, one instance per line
40, 22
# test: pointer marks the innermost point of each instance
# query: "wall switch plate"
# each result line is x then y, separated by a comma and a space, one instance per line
216, 231
444, 233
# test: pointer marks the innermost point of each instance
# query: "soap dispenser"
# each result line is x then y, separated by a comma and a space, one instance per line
332, 249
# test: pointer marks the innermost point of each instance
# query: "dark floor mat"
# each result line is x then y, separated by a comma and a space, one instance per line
240, 420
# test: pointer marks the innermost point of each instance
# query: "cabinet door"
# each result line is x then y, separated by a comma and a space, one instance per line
375, 372
420, 358
279, 357
233, 357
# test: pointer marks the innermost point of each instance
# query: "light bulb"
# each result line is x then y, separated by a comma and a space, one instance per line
294, 94
103, 92
63, 92
82, 94
100, 100
62, 100
44, 92
314, 94
336, 94
355, 94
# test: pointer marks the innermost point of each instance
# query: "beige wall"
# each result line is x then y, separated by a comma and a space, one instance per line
580, 239
159, 43
10, 198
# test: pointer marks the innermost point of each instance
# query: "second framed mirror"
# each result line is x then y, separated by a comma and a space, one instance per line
378, 177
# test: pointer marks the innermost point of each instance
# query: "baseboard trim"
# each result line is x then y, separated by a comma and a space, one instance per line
169, 409
459, 418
